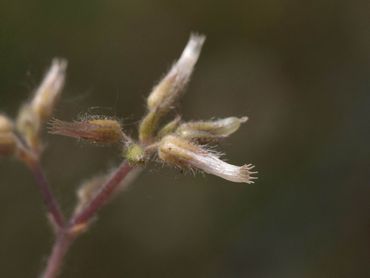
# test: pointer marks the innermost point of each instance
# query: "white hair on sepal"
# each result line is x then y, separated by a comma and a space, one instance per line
173, 83
182, 153
50, 88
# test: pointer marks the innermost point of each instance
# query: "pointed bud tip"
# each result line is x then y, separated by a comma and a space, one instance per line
59, 63
49, 90
243, 119
168, 90
194, 46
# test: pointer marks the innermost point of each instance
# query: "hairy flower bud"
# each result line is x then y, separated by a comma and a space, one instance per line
164, 95
148, 125
102, 131
182, 153
48, 92
167, 91
205, 131
33, 114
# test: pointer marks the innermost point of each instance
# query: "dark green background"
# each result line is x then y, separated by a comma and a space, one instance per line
299, 69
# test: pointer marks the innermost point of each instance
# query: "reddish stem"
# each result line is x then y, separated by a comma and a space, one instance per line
71, 230
103, 196
60, 248
47, 196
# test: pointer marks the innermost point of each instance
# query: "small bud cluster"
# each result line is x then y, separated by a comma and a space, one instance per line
177, 143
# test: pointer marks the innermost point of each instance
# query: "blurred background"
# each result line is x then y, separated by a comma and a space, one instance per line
299, 69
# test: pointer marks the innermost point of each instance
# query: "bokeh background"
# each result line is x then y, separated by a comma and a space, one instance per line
299, 69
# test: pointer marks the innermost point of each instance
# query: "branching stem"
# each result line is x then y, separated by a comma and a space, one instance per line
103, 195
78, 222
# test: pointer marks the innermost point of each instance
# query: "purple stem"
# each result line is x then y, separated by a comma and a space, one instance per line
67, 235
103, 196
60, 248
47, 196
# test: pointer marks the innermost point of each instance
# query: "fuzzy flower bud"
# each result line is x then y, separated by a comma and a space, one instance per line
182, 153
164, 95
168, 90
204, 131
33, 114
48, 92
101, 131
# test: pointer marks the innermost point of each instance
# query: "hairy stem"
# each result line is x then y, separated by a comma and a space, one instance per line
60, 248
32, 160
78, 222
103, 196
46, 193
